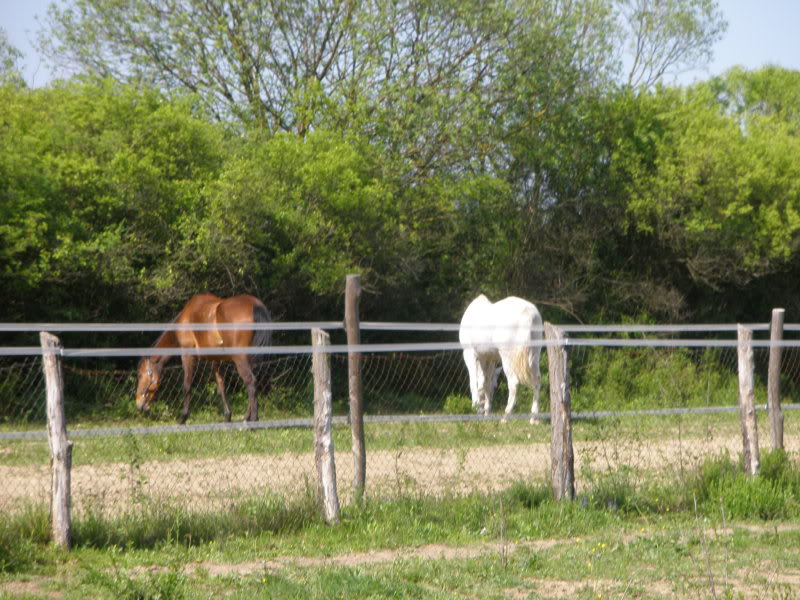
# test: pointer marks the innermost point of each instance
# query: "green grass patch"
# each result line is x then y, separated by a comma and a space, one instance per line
22, 538
149, 524
621, 536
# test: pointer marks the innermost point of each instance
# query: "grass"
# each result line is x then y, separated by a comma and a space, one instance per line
656, 540
629, 533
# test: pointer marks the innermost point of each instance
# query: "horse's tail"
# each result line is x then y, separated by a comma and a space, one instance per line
522, 361
526, 358
261, 337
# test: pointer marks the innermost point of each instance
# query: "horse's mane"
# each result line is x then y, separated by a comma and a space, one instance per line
166, 333
160, 339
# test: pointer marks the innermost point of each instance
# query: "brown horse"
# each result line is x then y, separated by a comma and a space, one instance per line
209, 309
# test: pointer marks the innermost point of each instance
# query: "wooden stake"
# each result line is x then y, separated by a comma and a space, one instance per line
60, 447
323, 436
747, 409
561, 452
351, 321
774, 380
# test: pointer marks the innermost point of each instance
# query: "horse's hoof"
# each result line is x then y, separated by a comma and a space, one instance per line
182, 419
535, 422
504, 420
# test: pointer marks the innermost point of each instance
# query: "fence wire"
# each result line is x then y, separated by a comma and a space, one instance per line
117, 467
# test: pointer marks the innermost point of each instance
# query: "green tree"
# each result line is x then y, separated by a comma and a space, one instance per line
710, 179
667, 36
9, 60
95, 181
288, 219
433, 81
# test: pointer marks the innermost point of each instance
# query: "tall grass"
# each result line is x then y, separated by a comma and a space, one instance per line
523, 510
150, 523
718, 484
22, 537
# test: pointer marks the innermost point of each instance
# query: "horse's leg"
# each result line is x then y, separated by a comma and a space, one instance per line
246, 373
221, 389
188, 373
471, 360
513, 383
485, 380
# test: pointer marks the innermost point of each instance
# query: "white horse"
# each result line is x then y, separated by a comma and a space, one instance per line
507, 330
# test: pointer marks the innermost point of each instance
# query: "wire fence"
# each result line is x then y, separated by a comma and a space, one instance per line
643, 408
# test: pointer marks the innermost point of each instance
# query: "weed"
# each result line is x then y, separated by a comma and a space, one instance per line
21, 538
158, 585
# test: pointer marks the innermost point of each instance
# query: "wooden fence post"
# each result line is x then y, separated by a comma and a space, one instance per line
747, 410
60, 447
351, 321
774, 380
323, 435
563, 473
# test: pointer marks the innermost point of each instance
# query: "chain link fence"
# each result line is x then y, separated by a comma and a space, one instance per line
643, 411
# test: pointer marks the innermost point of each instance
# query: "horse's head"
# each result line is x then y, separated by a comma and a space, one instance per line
147, 384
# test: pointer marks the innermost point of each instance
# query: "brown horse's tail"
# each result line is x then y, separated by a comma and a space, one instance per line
261, 337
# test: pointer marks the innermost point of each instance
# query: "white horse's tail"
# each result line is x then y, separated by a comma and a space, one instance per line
525, 359
522, 361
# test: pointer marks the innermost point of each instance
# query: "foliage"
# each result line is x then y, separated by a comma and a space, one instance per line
439, 149
21, 539
154, 586
457, 404
95, 180
773, 494
667, 35
637, 378
716, 189
292, 215
9, 61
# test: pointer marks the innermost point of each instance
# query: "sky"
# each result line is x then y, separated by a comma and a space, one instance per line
759, 32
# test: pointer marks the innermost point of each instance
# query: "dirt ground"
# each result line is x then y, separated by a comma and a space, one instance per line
218, 482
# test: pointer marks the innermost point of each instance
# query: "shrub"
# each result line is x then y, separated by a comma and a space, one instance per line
638, 378
457, 404
722, 485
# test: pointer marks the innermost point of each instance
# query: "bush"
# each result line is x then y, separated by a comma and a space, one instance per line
773, 494
640, 378
457, 404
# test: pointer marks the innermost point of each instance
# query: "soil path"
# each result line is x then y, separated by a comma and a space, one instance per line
218, 482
